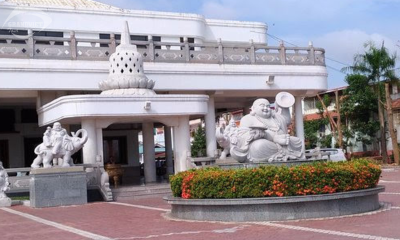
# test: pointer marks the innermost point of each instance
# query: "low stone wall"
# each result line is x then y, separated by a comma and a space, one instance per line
276, 208
236, 165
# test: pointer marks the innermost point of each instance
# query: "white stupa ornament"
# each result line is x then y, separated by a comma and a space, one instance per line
126, 76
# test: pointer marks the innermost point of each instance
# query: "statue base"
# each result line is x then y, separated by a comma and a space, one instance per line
51, 187
5, 202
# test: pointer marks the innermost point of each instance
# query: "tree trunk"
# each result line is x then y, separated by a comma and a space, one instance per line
392, 131
332, 122
339, 123
382, 127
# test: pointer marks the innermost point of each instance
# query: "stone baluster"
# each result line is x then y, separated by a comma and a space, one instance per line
31, 44
282, 53
220, 51
113, 44
73, 46
186, 49
252, 52
151, 48
311, 53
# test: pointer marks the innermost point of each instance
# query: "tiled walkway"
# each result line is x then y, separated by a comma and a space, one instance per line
145, 219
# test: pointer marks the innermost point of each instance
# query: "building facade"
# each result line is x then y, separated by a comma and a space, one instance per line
53, 50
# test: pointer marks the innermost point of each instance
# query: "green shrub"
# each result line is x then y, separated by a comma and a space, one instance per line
266, 181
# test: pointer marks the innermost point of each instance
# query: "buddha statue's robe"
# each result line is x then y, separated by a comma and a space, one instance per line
256, 140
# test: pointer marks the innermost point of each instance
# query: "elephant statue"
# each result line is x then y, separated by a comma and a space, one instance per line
57, 144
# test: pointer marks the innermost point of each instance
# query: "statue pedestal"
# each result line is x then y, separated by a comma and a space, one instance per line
5, 202
51, 187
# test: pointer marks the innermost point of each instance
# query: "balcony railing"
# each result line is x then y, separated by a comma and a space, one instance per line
72, 48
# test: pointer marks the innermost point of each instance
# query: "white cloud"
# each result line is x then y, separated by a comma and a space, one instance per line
343, 45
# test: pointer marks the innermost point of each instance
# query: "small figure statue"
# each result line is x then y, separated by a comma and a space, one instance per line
4, 184
263, 134
223, 135
58, 144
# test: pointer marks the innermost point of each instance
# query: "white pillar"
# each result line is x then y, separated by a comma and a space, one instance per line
90, 147
168, 150
211, 140
181, 144
136, 154
99, 140
299, 120
148, 152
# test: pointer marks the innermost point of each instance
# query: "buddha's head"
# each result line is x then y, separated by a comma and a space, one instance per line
261, 108
57, 126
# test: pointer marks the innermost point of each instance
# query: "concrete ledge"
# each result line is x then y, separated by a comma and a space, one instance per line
276, 208
56, 170
235, 165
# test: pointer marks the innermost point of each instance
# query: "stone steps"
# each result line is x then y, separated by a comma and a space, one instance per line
141, 191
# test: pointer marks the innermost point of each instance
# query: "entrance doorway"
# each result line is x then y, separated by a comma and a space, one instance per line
115, 150
4, 153
29, 147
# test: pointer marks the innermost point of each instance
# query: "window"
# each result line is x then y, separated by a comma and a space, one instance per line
14, 32
29, 116
7, 120
133, 38
48, 34
190, 40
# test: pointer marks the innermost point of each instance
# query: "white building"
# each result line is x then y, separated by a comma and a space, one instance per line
52, 50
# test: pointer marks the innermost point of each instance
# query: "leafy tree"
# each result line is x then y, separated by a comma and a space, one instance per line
377, 65
359, 108
199, 145
312, 128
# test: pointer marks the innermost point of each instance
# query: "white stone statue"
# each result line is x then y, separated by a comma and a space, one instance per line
4, 184
223, 136
58, 144
263, 136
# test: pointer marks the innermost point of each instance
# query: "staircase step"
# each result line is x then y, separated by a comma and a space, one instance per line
141, 191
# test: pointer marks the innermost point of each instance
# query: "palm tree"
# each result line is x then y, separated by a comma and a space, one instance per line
377, 65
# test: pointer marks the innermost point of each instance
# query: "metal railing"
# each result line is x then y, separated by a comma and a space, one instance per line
72, 48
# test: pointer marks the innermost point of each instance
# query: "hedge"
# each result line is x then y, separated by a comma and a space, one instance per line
276, 181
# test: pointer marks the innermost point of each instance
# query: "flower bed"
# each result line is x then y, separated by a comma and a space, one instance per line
273, 181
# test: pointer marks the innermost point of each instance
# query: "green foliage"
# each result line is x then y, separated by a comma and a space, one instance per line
360, 108
376, 64
326, 141
199, 143
265, 181
312, 127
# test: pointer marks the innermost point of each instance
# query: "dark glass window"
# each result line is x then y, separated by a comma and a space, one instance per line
7, 120
118, 37
14, 32
48, 34
29, 116
190, 40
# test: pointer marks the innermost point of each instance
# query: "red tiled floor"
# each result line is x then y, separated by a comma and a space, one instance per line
13, 227
128, 222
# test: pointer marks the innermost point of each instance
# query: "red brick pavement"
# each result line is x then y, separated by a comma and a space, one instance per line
130, 222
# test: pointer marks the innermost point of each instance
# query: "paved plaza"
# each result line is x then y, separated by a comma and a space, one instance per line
146, 218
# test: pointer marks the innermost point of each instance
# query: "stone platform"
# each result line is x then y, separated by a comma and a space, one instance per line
276, 208
51, 187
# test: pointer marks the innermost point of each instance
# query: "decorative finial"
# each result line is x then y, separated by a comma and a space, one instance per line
126, 36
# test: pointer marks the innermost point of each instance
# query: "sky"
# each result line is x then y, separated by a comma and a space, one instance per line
340, 26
